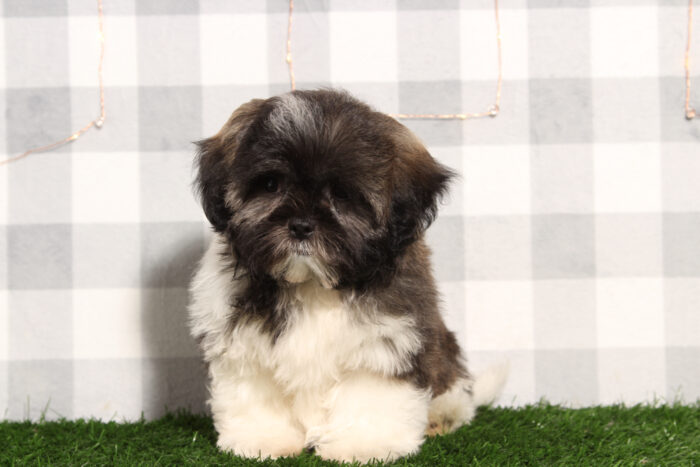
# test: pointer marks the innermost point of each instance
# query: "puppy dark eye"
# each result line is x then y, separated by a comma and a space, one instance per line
270, 184
340, 193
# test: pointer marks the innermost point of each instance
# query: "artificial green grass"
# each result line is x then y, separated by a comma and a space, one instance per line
536, 435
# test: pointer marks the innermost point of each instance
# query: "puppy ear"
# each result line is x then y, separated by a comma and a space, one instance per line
419, 183
214, 158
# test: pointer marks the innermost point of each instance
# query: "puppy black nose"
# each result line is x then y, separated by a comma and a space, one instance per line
300, 228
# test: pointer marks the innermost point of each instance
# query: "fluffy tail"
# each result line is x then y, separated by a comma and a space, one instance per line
489, 384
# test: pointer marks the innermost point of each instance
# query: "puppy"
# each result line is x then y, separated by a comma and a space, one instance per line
315, 305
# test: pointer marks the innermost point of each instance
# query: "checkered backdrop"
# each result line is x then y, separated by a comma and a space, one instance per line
570, 245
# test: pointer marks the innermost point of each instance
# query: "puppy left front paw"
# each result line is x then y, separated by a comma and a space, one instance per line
348, 445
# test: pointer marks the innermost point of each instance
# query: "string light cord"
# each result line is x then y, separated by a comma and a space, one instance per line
98, 122
689, 110
492, 111
289, 46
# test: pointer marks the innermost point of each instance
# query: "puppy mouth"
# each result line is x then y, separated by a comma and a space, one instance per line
301, 248
303, 266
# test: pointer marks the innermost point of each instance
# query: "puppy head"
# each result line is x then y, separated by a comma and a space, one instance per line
317, 185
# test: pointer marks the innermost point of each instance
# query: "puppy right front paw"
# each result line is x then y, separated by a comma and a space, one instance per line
269, 445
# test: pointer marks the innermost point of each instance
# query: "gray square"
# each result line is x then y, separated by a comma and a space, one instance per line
563, 246
167, 7
681, 192
166, 187
36, 117
40, 324
568, 377
628, 245
278, 6
383, 97
106, 255
565, 314
25, 8
634, 101
169, 253
180, 107
40, 388
562, 178
426, 42
172, 383
4, 396
681, 305
239, 6
168, 50
164, 323
681, 246
497, 248
626, 374
40, 256
511, 126
219, 102
121, 129
445, 238
567, 56
310, 48
674, 126
682, 377
36, 52
107, 389
83, 8
560, 111
439, 97
39, 189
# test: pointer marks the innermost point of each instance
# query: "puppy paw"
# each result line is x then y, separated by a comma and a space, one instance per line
263, 450
441, 427
261, 443
348, 445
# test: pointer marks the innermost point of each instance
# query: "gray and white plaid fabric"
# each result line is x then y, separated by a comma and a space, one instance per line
570, 245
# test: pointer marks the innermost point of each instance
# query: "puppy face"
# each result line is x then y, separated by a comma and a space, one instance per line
315, 185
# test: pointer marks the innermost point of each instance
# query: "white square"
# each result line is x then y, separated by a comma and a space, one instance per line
119, 67
520, 389
234, 49
630, 312
451, 157
627, 177
479, 46
631, 376
452, 307
499, 315
363, 46
496, 180
84, 50
4, 326
107, 323
624, 41
105, 187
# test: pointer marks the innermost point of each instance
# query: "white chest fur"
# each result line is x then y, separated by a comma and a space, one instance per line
324, 338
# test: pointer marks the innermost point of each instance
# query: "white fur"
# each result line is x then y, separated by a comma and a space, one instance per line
328, 381
293, 115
